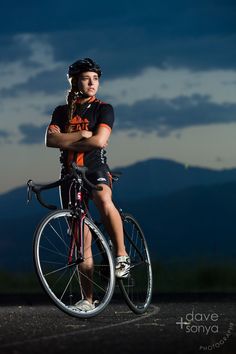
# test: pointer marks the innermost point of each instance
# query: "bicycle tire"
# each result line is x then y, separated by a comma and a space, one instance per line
62, 281
137, 288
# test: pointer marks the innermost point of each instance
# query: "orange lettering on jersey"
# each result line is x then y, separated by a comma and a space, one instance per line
77, 123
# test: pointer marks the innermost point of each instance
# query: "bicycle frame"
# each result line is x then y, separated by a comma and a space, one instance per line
79, 210
76, 204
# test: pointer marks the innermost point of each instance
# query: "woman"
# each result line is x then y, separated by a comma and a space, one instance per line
81, 129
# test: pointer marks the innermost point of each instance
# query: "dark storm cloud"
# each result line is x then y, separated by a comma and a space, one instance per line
198, 35
140, 48
125, 38
32, 134
4, 136
13, 49
49, 82
165, 116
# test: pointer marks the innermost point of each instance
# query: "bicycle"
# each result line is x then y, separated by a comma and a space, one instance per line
61, 258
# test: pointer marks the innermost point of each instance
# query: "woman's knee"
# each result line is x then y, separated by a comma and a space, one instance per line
103, 202
103, 199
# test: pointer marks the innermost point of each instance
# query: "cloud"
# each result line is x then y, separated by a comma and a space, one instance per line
4, 136
197, 36
36, 58
170, 83
124, 51
52, 82
166, 116
28, 108
32, 134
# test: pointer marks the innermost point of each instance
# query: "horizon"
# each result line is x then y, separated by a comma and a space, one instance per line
186, 167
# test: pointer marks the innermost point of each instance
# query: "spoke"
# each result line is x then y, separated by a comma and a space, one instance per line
93, 282
69, 281
62, 233
51, 262
134, 265
133, 244
53, 228
60, 269
50, 250
59, 278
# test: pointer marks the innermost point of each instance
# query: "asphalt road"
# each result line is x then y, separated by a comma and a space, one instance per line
173, 324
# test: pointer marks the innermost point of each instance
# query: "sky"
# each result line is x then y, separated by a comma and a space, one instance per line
169, 70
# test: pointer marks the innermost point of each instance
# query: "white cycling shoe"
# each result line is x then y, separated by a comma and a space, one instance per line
122, 267
85, 305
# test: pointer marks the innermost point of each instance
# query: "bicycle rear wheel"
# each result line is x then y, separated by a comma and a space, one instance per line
64, 281
137, 288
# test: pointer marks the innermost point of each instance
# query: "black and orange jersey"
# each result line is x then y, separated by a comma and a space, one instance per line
88, 116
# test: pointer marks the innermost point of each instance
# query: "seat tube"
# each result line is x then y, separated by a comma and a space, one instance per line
80, 225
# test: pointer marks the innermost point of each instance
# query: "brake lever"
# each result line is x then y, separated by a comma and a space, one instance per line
29, 191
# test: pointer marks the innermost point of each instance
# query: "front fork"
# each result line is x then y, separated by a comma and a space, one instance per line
77, 235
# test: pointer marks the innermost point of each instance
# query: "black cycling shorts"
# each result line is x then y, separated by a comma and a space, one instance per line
100, 176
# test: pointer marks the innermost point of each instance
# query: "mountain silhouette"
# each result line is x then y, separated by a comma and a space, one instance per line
187, 214
161, 177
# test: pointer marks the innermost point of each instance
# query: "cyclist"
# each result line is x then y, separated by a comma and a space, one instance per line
81, 130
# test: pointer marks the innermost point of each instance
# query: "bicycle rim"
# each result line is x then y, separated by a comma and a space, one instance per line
137, 288
63, 282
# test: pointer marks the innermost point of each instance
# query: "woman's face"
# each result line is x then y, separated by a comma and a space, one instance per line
88, 83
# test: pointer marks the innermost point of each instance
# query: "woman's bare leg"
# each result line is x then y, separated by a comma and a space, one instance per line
86, 267
111, 218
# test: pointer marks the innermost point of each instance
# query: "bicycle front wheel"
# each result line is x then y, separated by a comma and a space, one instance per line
137, 288
63, 274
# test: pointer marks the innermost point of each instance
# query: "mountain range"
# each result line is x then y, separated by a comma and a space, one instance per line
187, 214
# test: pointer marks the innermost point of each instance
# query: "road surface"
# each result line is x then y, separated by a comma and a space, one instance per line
173, 324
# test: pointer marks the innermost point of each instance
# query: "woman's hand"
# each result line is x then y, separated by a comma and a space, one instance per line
53, 129
86, 134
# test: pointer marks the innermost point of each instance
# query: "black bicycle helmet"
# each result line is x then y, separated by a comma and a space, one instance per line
83, 65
